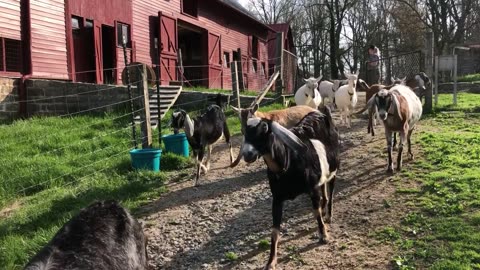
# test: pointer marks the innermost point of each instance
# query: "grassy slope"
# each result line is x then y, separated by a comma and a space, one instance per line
470, 78
442, 229
70, 163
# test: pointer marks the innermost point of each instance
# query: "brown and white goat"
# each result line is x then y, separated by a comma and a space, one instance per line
102, 236
400, 109
288, 118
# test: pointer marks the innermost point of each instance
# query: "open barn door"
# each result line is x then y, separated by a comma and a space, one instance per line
97, 37
215, 78
168, 48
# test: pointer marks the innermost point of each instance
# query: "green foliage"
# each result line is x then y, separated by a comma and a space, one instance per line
264, 244
469, 78
231, 256
442, 231
68, 163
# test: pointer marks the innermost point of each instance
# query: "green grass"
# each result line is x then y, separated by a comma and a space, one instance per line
469, 78
466, 102
52, 167
442, 231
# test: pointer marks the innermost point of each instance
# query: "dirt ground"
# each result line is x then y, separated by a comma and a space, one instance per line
193, 227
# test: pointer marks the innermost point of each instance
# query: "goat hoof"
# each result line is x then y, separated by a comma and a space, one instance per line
328, 219
411, 156
269, 267
324, 239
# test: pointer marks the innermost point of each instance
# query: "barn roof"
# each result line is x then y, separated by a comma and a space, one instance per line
233, 4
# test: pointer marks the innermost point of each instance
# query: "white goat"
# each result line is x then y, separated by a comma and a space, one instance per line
308, 94
327, 90
346, 98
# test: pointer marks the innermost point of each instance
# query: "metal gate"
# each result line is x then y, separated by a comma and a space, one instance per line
400, 65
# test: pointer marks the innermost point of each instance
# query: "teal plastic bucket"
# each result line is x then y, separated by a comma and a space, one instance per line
176, 143
148, 159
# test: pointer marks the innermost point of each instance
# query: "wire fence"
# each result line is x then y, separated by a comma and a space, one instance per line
87, 129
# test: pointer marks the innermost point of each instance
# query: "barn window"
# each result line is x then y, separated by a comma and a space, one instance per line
10, 55
226, 59
255, 47
123, 33
190, 7
254, 66
76, 22
262, 69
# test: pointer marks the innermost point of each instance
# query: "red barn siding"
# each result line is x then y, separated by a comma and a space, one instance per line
10, 19
233, 28
103, 11
49, 49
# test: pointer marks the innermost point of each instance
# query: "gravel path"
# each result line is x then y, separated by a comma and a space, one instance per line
193, 227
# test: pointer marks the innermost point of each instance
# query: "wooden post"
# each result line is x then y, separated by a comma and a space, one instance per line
146, 125
241, 83
436, 80
279, 63
235, 88
180, 66
428, 53
455, 57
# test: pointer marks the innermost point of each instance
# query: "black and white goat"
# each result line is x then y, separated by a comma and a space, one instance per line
204, 131
400, 109
303, 159
102, 236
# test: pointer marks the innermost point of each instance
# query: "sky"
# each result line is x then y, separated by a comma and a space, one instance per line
243, 2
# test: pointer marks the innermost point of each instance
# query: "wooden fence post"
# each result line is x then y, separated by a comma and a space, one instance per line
279, 63
180, 66
241, 83
429, 71
146, 125
235, 88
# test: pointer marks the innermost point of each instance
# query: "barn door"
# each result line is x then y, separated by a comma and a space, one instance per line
215, 78
168, 48
97, 37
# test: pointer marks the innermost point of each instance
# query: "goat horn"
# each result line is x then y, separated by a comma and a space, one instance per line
288, 137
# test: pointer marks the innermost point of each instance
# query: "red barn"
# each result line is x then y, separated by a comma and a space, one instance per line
82, 40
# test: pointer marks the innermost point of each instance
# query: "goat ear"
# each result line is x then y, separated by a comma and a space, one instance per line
404, 79
392, 78
305, 80
319, 78
254, 108
287, 137
235, 109
395, 106
356, 73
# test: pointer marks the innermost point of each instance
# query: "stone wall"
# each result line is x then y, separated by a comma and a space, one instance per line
9, 106
45, 97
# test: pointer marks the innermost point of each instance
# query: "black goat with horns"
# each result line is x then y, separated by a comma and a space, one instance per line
301, 160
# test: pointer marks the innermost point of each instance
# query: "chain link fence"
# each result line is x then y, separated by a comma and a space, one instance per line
399, 66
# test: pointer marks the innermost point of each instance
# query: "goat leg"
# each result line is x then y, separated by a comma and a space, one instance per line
200, 154
317, 212
331, 188
388, 136
277, 212
409, 142
209, 155
400, 150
